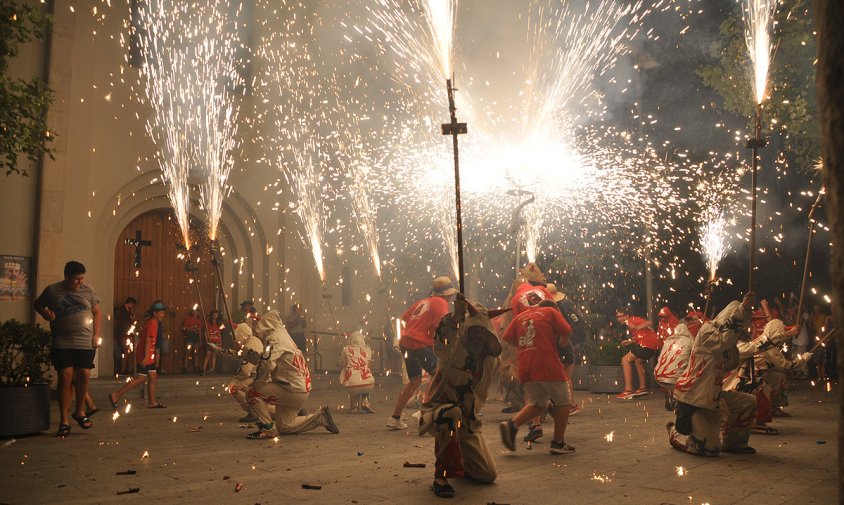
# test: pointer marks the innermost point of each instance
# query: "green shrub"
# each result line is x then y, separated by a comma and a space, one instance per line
24, 354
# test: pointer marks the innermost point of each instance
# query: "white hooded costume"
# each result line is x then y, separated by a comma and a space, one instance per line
355, 358
674, 356
284, 381
245, 375
466, 361
708, 419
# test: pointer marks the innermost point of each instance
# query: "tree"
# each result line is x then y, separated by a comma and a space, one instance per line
790, 108
23, 103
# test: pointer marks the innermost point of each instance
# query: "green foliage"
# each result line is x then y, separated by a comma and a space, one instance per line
789, 109
24, 354
23, 103
604, 352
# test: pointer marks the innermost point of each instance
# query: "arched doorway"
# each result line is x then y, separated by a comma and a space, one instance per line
149, 265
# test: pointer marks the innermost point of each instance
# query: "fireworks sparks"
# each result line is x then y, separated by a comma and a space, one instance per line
758, 18
189, 76
713, 239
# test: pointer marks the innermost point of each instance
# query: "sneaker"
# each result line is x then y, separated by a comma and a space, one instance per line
534, 434
508, 434
367, 408
640, 393
574, 409
248, 419
624, 395
561, 448
509, 410
328, 421
396, 424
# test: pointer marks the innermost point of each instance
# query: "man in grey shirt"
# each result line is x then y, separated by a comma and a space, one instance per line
73, 309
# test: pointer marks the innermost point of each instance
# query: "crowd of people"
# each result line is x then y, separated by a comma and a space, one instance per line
723, 377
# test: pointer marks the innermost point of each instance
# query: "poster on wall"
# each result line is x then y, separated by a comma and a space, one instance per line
14, 278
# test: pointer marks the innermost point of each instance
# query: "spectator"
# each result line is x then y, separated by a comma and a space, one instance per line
191, 329
213, 339
124, 320
73, 309
644, 344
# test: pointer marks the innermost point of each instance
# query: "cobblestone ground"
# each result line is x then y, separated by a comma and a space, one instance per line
195, 451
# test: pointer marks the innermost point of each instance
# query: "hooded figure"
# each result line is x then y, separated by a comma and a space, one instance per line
284, 381
467, 356
769, 380
708, 419
356, 374
674, 356
245, 375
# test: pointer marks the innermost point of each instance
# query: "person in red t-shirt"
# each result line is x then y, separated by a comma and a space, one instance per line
536, 332
145, 355
644, 343
417, 342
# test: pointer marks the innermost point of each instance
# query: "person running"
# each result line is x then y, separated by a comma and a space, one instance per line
145, 354
417, 342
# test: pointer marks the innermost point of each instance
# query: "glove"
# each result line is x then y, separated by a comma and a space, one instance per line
805, 357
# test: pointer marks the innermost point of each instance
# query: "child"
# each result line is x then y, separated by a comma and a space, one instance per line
147, 372
356, 374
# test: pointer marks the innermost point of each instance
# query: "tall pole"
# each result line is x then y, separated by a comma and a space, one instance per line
754, 144
454, 129
191, 267
215, 245
808, 256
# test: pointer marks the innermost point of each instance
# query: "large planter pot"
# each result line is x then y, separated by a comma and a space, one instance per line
580, 378
606, 379
24, 410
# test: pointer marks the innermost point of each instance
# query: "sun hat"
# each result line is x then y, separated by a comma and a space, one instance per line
442, 286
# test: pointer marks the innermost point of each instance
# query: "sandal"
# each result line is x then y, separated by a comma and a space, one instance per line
112, 402
765, 430
64, 430
158, 406
82, 421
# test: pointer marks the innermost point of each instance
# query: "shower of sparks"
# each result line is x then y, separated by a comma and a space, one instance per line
440, 16
532, 231
713, 239
307, 184
189, 77
758, 16
363, 208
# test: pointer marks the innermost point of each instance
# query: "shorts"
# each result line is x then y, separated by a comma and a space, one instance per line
75, 358
566, 354
146, 370
539, 393
417, 359
642, 353
192, 340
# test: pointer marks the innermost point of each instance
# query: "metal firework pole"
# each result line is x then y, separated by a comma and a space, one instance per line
454, 129
191, 268
754, 144
215, 249
808, 254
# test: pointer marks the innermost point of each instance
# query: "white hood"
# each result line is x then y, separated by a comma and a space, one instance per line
272, 332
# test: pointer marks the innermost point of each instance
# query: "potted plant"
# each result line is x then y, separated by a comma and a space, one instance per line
604, 360
24, 385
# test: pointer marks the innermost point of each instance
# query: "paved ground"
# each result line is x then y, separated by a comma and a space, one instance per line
198, 454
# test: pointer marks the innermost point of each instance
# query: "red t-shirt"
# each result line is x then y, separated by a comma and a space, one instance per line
146, 346
536, 332
421, 321
645, 337
192, 324
528, 295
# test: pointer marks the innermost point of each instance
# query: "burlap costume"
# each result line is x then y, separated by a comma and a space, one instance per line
674, 356
283, 380
467, 359
245, 375
708, 419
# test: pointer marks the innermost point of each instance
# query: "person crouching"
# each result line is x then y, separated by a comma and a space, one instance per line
283, 381
356, 374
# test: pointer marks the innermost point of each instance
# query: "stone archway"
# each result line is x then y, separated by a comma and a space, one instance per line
149, 265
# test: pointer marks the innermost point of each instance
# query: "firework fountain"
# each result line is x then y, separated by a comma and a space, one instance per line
713, 241
758, 16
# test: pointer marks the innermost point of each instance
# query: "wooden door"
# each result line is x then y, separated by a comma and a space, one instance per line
153, 241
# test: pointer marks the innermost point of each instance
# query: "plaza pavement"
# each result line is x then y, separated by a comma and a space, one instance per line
198, 454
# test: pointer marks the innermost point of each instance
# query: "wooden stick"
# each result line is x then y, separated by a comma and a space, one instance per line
821, 341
